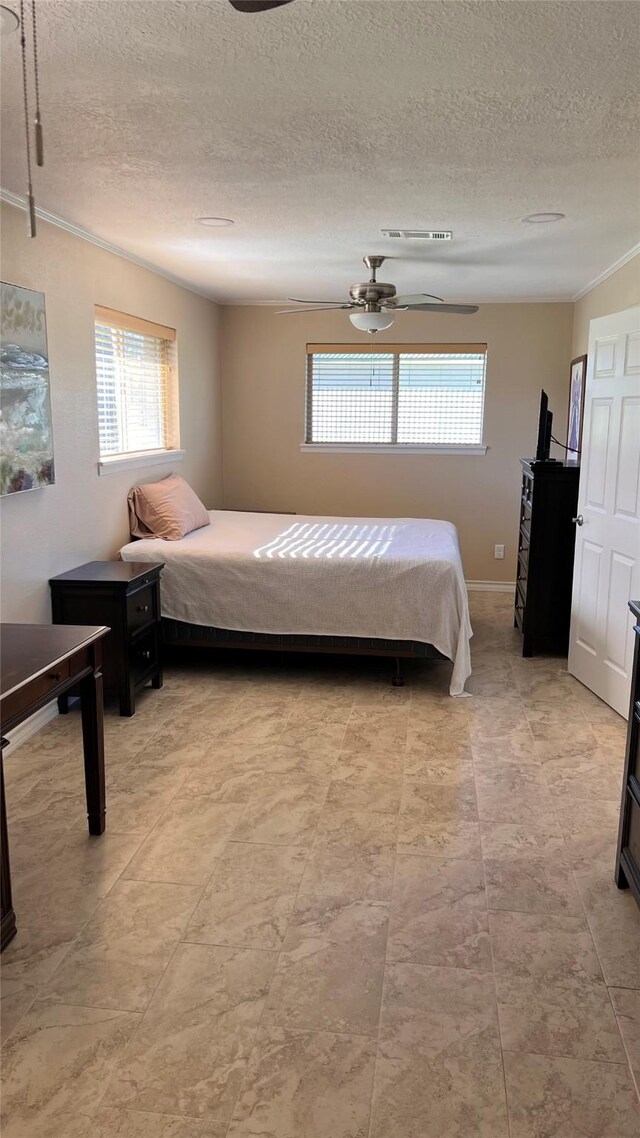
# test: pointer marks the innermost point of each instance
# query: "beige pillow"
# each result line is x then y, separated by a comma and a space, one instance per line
168, 508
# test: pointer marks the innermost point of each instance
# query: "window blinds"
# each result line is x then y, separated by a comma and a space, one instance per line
133, 370
396, 395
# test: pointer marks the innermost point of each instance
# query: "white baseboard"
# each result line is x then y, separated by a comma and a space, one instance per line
490, 586
30, 726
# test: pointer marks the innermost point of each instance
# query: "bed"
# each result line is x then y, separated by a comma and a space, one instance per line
390, 586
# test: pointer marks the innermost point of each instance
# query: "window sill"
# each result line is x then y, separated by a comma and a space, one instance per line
142, 458
388, 448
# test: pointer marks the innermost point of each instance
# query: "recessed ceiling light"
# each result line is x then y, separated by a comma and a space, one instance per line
215, 221
8, 20
542, 218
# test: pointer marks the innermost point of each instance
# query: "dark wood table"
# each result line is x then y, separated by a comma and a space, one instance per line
38, 663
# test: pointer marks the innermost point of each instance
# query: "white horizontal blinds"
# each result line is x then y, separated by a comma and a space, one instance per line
399, 396
133, 370
351, 398
441, 398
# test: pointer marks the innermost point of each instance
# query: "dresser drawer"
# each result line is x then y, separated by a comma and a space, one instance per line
633, 840
634, 757
143, 656
141, 608
38, 689
525, 513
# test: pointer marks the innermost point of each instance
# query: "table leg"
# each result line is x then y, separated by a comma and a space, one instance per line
8, 930
93, 740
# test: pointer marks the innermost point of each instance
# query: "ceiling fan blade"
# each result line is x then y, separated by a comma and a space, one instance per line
416, 298
460, 309
296, 300
325, 308
257, 5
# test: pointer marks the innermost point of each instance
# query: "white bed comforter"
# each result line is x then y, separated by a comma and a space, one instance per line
393, 578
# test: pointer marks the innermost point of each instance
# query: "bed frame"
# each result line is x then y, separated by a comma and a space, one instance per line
178, 634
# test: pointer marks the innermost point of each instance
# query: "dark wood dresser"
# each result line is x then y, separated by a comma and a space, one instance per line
124, 595
546, 544
628, 856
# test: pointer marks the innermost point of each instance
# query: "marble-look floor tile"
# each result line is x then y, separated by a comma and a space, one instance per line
570, 1017
300, 1083
590, 831
451, 764
136, 1124
140, 793
439, 1071
285, 814
597, 776
543, 945
330, 969
513, 792
190, 1052
249, 900
34, 953
414, 1099
58, 1059
626, 1003
81, 870
121, 954
16, 997
114, 1123
614, 921
369, 730
439, 818
522, 839
531, 884
185, 842
244, 723
314, 737
553, 1097
367, 781
439, 913
353, 853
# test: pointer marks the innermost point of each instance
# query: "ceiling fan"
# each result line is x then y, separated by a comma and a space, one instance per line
257, 5
373, 304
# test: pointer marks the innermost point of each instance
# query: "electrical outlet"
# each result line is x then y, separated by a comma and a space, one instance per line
498, 552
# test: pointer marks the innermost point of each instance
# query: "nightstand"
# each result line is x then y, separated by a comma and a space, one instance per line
125, 596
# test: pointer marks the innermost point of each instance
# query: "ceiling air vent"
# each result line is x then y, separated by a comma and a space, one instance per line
420, 234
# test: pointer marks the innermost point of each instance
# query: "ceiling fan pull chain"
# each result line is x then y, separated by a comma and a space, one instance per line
38, 119
30, 199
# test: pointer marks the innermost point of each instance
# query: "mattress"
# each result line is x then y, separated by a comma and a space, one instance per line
387, 578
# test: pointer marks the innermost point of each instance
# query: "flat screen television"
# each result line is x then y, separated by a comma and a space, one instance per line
545, 421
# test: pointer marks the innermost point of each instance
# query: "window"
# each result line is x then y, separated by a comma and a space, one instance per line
137, 397
396, 396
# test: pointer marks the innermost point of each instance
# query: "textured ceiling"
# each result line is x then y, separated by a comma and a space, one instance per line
318, 124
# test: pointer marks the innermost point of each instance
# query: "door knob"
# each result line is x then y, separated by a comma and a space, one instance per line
579, 521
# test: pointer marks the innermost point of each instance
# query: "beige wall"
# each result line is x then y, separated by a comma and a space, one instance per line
621, 290
83, 516
263, 369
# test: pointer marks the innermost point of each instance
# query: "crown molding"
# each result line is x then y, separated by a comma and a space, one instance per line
85, 235
607, 272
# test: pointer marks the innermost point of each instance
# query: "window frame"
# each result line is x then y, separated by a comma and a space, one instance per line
171, 451
394, 447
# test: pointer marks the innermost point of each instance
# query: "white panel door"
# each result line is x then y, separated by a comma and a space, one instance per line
607, 562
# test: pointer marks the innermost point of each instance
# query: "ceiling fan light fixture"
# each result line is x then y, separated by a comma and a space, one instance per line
215, 222
9, 20
371, 321
543, 218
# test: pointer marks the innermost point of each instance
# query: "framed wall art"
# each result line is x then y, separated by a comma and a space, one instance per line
26, 435
578, 371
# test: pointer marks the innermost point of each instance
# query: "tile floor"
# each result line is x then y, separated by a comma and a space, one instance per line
328, 908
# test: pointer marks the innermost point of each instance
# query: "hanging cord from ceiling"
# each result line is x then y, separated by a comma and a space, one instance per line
39, 143
31, 205
36, 75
